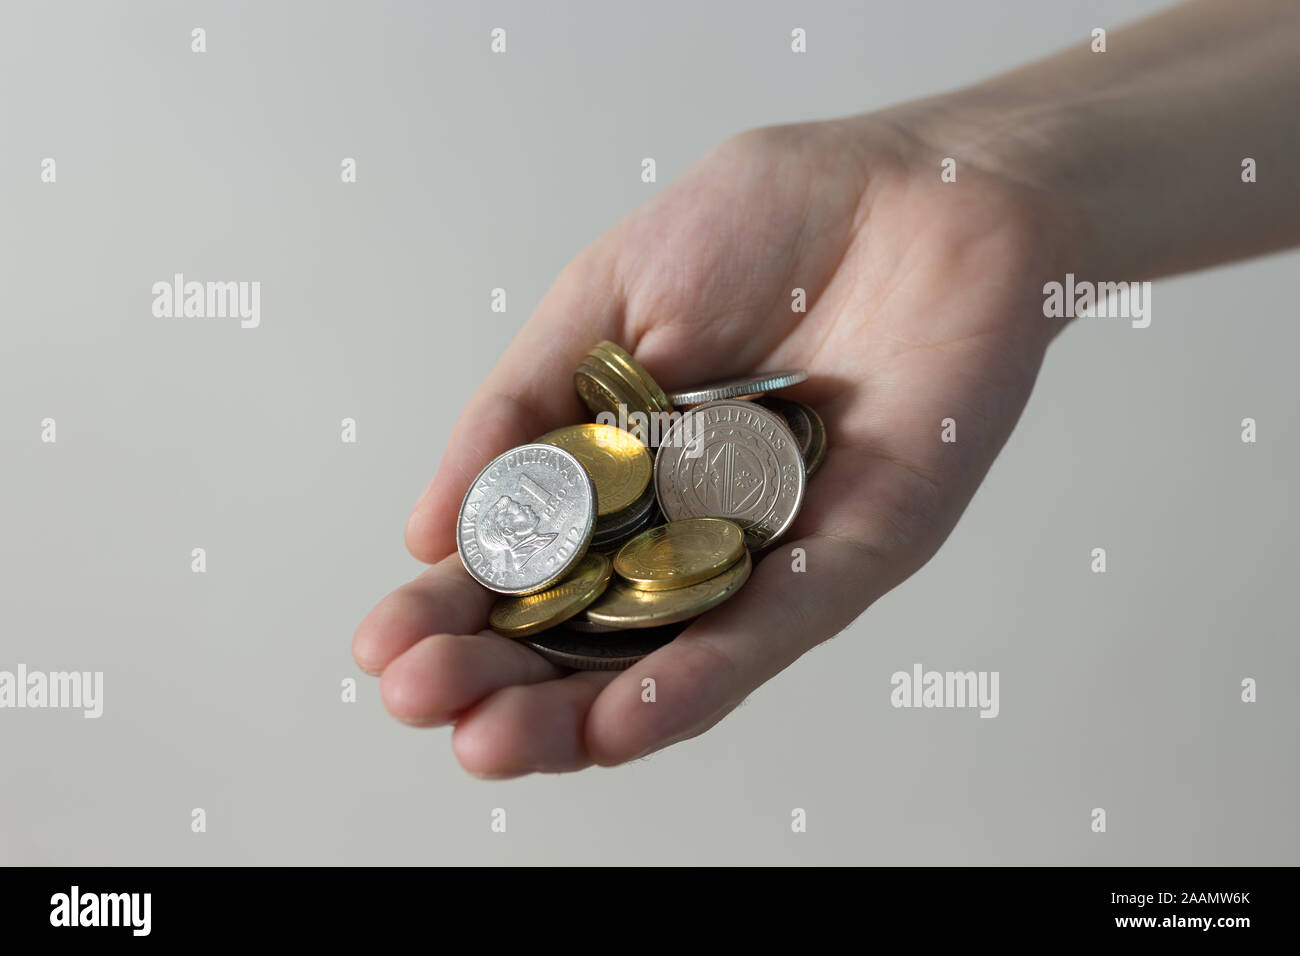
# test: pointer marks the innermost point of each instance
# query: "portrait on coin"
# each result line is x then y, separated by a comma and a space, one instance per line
511, 527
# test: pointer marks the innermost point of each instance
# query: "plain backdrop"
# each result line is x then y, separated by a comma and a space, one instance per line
222, 690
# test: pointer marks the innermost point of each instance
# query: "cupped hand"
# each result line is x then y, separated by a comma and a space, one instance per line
923, 303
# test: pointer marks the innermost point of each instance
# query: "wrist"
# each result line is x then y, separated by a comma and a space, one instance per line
1014, 150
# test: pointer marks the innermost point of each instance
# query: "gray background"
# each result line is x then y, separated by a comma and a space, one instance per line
222, 690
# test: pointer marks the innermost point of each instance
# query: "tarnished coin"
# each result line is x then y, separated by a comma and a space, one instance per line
625, 606
633, 370
526, 519
738, 387
735, 460
805, 424
618, 463
527, 614
601, 652
680, 553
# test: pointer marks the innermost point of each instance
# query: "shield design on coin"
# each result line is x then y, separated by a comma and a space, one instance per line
728, 478
731, 459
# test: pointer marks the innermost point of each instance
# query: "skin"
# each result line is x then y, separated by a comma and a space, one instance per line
925, 302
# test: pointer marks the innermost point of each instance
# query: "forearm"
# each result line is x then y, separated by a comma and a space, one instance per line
1147, 140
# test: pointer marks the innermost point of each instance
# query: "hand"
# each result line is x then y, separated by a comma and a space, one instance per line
924, 302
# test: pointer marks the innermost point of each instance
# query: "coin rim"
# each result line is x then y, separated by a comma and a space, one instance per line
818, 440
625, 358
602, 364
579, 662
732, 388
635, 513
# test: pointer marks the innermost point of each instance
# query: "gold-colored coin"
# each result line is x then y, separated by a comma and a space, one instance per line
622, 371
624, 606
632, 393
602, 391
619, 465
634, 369
521, 616
680, 553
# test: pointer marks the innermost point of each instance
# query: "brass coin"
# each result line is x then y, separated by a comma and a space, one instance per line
521, 616
625, 606
601, 390
598, 391
807, 426
619, 465
635, 396
629, 381
635, 369
602, 652
680, 553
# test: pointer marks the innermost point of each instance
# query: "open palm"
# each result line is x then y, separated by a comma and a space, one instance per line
923, 304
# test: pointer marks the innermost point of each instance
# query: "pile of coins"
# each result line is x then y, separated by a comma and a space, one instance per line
605, 550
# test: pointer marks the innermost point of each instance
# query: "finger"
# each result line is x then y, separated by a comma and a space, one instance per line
444, 674
539, 728
443, 599
529, 392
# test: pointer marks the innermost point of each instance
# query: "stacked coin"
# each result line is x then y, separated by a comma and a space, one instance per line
666, 577
610, 380
603, 552
672, 573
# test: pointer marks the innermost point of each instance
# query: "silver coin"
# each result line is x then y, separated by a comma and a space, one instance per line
735, 460
738, 387
526, 519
